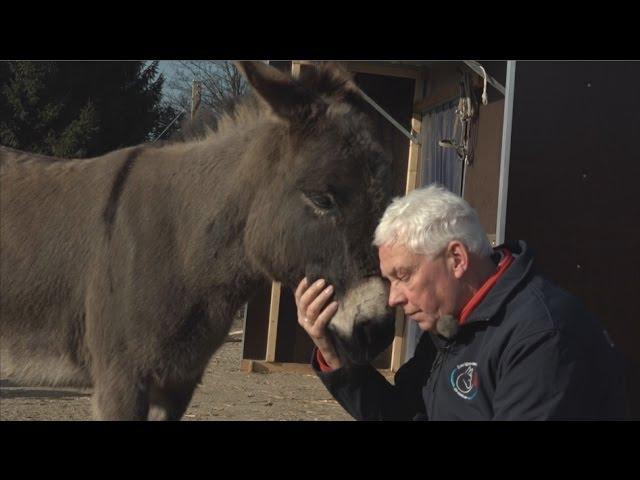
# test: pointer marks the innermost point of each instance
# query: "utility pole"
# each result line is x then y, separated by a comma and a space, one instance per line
196, 92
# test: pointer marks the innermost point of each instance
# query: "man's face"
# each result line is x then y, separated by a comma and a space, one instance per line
424, 287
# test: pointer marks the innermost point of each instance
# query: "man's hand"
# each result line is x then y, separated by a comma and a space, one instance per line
314, 316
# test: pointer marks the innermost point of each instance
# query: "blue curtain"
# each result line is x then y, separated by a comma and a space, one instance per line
439, 165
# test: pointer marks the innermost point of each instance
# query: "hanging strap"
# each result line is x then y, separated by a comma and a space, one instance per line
465, 113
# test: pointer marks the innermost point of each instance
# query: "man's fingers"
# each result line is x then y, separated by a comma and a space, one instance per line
313, 311
302, 286
326, 315
312, 292
315, 307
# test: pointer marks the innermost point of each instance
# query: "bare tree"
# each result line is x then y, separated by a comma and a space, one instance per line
221, 83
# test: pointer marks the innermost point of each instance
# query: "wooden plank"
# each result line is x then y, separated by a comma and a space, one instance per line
381, 68
414, 148
246, 365
450, 92
414, 155
272, 332
446, 93
376, 68
259, 366
397, 351
295, 68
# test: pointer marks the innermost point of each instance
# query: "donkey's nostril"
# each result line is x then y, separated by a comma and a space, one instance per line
361, 335
383, 333
373, 336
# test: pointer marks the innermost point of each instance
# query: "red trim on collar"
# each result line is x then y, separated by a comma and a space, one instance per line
507, 259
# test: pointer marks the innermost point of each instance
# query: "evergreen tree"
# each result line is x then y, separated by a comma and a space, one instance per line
80, 109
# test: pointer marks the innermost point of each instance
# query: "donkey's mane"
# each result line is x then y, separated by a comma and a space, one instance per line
328, 80
206, 125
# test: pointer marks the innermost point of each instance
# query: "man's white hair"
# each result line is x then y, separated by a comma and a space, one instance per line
427, 219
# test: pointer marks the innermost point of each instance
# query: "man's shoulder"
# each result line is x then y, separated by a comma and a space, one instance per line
542, 305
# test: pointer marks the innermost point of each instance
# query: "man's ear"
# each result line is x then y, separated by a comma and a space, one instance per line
288, 99
457, 258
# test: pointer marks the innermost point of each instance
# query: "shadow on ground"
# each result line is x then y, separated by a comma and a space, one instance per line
10, 389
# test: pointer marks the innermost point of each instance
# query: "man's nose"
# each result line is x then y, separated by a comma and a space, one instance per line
396, 297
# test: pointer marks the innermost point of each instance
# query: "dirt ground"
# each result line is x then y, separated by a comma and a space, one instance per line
226, 393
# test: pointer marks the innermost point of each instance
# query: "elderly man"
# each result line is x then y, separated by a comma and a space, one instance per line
510, 344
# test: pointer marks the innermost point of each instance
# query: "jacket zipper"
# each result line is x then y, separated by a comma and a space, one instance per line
437, 364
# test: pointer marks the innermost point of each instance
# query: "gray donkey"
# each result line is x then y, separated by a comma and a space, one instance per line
123, 272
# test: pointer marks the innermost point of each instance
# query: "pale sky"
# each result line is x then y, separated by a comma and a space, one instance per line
168, 68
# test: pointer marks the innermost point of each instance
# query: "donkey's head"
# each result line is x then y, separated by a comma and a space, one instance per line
316, 213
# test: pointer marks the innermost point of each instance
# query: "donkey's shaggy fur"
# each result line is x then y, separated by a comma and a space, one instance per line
124, 271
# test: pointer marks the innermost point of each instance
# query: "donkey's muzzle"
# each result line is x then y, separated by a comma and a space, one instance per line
367, 341
364, 324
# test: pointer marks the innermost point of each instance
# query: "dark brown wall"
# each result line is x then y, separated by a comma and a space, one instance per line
395, 96
257, 324
573, 178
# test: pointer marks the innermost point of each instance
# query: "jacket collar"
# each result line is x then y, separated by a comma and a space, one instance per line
508, 282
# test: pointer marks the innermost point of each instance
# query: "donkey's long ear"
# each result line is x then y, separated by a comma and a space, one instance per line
287, 98
331, 80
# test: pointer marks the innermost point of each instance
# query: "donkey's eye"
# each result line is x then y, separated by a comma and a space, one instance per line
321, 200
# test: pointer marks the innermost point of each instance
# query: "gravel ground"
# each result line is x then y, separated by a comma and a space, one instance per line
226, 393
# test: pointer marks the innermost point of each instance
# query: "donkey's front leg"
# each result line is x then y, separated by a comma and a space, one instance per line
118, 396
169, 402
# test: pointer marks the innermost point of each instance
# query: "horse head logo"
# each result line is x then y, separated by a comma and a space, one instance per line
464, 380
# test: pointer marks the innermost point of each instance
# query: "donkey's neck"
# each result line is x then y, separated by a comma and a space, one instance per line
215, 187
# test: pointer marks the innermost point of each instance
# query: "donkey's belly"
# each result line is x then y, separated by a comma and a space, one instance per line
44, 346
29, 364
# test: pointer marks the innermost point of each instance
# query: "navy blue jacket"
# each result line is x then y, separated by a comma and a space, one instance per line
528, 351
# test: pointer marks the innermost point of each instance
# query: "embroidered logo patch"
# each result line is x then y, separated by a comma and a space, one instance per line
464, 380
